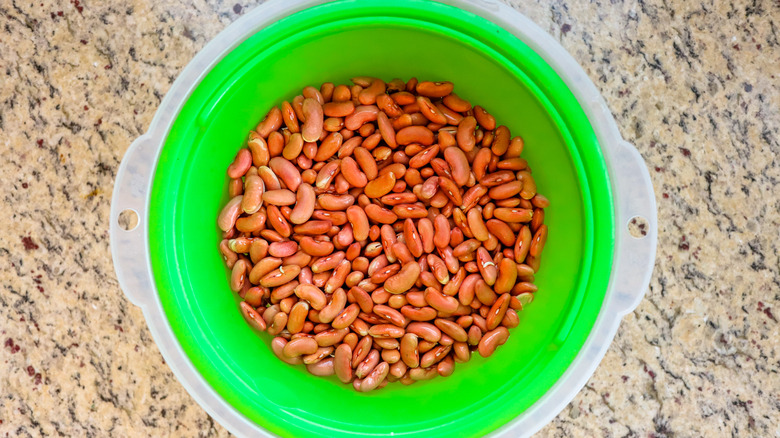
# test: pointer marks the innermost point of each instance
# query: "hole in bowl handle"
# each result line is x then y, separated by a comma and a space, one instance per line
129, 249
636, 229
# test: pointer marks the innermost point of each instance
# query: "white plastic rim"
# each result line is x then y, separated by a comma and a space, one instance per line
630, 180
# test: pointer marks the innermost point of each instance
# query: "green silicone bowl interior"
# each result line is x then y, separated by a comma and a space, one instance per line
386, 39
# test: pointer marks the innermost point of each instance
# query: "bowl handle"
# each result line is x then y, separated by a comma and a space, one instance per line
129, 247
636, 209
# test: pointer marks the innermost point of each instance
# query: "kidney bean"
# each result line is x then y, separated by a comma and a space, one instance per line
270, 180
416, 298
472, 197
434, 89
466, 133
338, 109
330, 337
491, 340
283, 291
293, 147
315, 248
253, 194
342, 363
286, 171
312, 294
498, 311
439, 301
391, 356
367, 364
434, 355
361, 115
341, 93
451, 190
300, 259
441, 237
322, 368
404, 280
506, 190
451, 118
278, 222
507, 276
336, 218
414, 134
282, 249
252, 317
259, 149
538, 241
359, 221
398, 369
408, 350
352, 173
277, 346
466, 247
417, 374
313, 93
372, 249
362, 350
262, 268
452, 329
354, 278
412, 238
456, 103
430, 111
229, 214
313, 119
513, 214
486, 266
522, 244
375, 378
386, 331
419, 313
477, 225
459, 165
297, 317
387, 343
389, 106
279, 197
369, 94
338, 277
271, 122
382, 274
449, 259
390, 314
497, 178
331, 124
258, 249
346, 317
424, 156
511, 320
228, 254
276, 143
278, 323
289, 117
484, 118
484, 293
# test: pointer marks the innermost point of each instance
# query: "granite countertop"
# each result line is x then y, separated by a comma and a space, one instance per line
694, 85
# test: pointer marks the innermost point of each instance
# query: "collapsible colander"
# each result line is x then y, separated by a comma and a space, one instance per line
592, 271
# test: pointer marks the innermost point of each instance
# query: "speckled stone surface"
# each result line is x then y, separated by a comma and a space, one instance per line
695, 85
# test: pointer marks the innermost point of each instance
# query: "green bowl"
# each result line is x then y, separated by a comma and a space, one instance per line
333, 42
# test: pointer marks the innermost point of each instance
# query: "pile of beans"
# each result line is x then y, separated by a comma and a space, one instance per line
382, 231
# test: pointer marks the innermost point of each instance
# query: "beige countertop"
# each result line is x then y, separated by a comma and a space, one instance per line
694, 85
